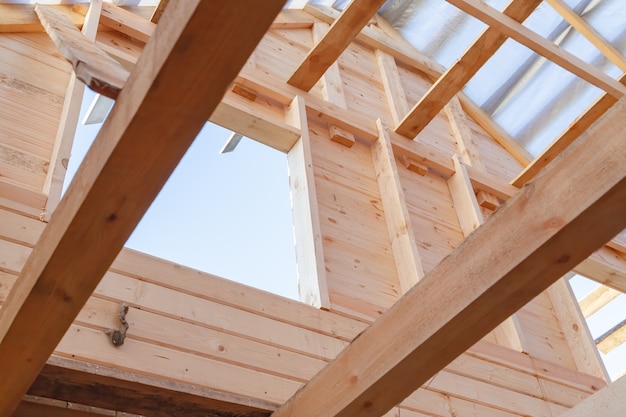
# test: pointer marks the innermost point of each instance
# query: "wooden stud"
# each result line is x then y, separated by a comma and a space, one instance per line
487, 278
540, 45
307, 230
405, 252
450, 83
341, 136
341, 33
463, 134
70, 113
464, 199
396, 96
111, 191
575, 329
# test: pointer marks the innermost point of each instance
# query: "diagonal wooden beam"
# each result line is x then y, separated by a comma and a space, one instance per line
341, 33
196, 52
520, 250
582, 122
453, 80
91, 65
540, 45
585, 29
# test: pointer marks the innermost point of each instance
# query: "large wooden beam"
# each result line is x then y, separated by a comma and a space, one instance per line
341, 34
453, 80
196, 52
542, 46
521, 249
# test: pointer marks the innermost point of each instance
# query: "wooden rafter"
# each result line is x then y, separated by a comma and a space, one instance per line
341, 33
593, 113
578, 23
156, 117
453, 80
488, 277
542, 46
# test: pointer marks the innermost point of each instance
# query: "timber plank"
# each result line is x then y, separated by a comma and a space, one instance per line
111, 191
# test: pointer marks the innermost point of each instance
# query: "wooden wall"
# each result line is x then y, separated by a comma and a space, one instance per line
200, 330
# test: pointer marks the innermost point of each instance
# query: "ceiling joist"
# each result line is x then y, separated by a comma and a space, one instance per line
487, 278
193, 57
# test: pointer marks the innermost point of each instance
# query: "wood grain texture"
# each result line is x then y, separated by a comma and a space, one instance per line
458, 302
455, 78
92, 66
111, 191
606, 403
341, 34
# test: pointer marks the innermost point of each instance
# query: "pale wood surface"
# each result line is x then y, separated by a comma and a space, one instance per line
91, 65
606, 403
535, 42
597, 299
341, 33
369, 378
453, 80
97, 202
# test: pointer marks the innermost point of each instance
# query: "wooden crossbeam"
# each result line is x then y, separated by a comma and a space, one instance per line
585, 29
453, 80
597, 299
542, 46
341, 33
21, 18
91, 65
593, 113
487, 278
195, 53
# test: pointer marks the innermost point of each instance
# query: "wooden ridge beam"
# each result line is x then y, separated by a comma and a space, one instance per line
341, 33
455, 78
111, 190
540, 45
578, 126
92, 66
487, 278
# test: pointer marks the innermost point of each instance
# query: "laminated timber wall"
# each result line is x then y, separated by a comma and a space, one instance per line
197, 334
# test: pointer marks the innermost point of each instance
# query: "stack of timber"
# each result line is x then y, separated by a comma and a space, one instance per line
373, 197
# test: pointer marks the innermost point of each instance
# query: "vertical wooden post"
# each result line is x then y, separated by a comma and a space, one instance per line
307, 230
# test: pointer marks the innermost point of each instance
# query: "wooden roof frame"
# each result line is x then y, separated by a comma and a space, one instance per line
368, 378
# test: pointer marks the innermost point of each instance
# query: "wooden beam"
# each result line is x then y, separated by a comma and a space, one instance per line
127, 22
21, 18
597, 299
590, 33
577, 127
111, 190
104, 386
608, 402
401, 234
92, 66
613, 338
487, 278
606, 266
53, 186
453, 80
341, 33
542, 46
158, 11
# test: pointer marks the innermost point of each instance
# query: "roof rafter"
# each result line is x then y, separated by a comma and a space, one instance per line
158, 114
453, 80
488, 277
341, 33
542, 46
